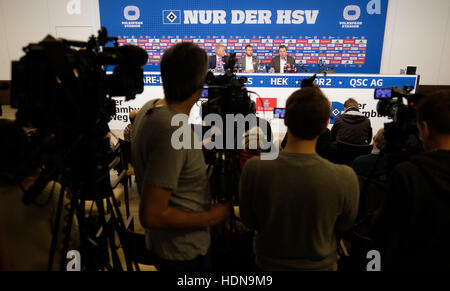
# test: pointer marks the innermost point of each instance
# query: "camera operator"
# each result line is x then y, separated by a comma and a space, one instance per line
413, 227
175, 201
299, 201
28, 229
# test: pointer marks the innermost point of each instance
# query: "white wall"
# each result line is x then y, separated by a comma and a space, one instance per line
25, 21
417, 33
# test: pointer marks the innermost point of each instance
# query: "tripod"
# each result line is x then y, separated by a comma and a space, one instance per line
231, 246
99, 234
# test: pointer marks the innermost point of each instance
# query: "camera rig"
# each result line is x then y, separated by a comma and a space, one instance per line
61, 89
401, 134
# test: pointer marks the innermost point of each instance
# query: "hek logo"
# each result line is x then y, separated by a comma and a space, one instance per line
171, 17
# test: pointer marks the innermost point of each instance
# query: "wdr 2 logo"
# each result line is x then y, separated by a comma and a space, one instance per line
171, 17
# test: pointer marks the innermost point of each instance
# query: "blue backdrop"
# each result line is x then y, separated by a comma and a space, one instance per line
347, 35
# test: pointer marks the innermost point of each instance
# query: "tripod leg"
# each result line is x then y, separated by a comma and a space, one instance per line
109, 235
127, 200
56, 229
120, 227
68, 231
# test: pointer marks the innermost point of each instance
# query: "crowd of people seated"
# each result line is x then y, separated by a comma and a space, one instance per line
298, 206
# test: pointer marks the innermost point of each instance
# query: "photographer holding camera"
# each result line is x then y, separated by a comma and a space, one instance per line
412, 228
175, 199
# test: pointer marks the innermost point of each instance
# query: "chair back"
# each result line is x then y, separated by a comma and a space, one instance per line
346, 152
373, 193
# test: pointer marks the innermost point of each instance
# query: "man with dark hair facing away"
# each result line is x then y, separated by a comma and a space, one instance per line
175, 205
298, 202
413, 226
352, 126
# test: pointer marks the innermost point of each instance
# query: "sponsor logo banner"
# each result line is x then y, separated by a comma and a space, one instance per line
325, 26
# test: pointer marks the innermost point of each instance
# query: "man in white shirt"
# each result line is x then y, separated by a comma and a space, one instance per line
249, 62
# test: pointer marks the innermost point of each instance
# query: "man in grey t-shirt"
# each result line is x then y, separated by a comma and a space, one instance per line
299, 201
175, 203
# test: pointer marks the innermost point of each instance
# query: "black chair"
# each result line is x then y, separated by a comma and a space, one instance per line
360, 237
346, 153
373, 193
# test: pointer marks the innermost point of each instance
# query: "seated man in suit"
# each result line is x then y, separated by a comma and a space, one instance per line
282, 62
249, 62
218, 61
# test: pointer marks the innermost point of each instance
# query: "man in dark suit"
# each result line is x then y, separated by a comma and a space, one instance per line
218, 61
282, 62
249, 62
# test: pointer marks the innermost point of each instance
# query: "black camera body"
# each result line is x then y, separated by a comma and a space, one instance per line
61, 89
391, 104
227, 93
65, 94
401, 134
54, 76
